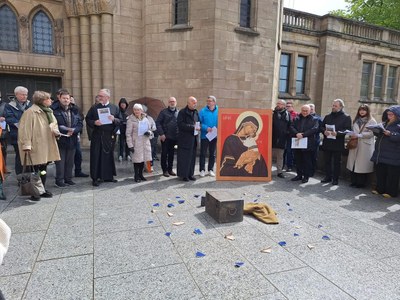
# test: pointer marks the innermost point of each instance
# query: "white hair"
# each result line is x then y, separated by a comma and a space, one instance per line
20, 89
138, 106
106, 91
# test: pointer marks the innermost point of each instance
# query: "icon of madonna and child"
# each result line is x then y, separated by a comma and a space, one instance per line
244, 152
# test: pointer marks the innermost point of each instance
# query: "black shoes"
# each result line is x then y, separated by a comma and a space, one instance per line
80, 174
95, 183
185, 179
326, 180
137, 180
335, 182
111, 180
172, 173
69, 182
304, 180
280, 175
192, 178
297, 178
60, 184
165, 174
46, 194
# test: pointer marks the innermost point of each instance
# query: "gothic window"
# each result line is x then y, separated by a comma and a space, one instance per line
181, 12
245, 13
42, 34
8, 29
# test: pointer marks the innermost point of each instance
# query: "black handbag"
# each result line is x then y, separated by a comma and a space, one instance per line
30, 183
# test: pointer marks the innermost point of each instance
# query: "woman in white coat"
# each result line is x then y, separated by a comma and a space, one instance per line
139, 132
358, 161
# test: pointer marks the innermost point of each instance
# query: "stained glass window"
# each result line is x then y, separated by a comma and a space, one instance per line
42, 34
8, 29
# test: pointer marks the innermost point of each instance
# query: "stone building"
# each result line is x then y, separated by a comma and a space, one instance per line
246, 52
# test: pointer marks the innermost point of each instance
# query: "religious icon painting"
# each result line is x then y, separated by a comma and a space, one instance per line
244, 144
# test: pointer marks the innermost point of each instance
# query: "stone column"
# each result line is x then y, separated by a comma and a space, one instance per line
75, 61
87, 96
96, 62
107, 52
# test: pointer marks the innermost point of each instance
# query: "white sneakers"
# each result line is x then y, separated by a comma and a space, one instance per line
203, 173
120, 158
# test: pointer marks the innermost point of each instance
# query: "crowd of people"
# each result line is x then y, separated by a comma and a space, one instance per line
375, 147
45, 131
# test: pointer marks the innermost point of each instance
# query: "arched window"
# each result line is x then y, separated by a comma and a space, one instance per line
8, 29
42, 34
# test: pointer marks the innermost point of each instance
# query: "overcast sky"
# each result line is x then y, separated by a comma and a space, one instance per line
318, 7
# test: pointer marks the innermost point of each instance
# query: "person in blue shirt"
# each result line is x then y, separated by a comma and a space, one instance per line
208, 119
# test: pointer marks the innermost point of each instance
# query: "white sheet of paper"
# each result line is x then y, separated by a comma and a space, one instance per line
299, 143
104, 113
3, 124
196, 126
212, 134
331, 128
143, 126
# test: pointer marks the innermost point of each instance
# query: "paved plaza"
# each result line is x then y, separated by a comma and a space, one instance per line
110, 242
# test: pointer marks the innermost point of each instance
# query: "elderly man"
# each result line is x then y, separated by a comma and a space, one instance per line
304, 126
281, 122
208, 120
189, 128
167, 128
13, 112
103, 119
333, 127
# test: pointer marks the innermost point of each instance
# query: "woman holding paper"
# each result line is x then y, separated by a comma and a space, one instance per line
387, 155
303, 130
139, 132
358, 161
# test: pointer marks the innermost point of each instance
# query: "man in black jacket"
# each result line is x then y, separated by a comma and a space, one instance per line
167, 129
188, 131
281, 122
333, 127
304, 126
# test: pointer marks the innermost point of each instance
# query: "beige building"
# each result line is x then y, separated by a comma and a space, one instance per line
246, 52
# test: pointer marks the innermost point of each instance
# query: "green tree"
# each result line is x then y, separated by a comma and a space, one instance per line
379, 12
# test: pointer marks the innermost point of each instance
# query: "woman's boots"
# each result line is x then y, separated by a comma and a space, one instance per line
138, 168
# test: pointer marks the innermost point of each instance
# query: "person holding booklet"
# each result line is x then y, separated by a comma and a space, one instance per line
334, 128
358, 161
209, 123
103, 118
386, 155
303, 131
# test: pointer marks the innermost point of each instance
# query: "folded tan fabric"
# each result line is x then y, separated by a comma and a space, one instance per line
262, 212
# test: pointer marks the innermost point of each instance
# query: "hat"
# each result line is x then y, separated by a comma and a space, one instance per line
138, 106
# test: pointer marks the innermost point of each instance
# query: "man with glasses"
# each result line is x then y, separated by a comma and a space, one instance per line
103, 119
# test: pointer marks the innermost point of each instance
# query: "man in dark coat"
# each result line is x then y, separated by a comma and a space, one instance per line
317, 138
167, 129
102, 164
70, 124
188, 131
281, 122
333, 127
13, 112
304, 126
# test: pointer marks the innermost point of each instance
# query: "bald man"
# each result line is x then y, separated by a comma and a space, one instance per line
189, 128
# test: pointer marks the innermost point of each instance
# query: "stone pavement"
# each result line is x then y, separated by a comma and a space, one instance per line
106, 243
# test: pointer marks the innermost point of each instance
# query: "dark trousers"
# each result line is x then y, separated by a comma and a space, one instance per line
123, 147
18, 165
205, 145
78, 158
358, 179
303, 163
153, 143
387, 179
167, 154
333, 160
288, 157
64, 166
315, 157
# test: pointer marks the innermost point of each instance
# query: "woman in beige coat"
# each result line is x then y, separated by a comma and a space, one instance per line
37, 132
358, 161
139, 132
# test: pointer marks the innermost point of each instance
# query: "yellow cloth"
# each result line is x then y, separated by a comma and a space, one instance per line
262, 212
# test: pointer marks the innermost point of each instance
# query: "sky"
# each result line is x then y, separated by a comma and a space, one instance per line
318, 7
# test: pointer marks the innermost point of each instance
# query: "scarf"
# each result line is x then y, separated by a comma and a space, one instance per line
48, 111
361, 121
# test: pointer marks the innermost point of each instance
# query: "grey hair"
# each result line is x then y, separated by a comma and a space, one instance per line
212, 98
107, 91
281, 101
311, 105
340, 101
20, 89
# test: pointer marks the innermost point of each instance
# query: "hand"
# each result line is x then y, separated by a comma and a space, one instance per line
70, 132
98, 123
147, 133
299, 135
132, 150
209, 129
163, 138
386, 132
111, 118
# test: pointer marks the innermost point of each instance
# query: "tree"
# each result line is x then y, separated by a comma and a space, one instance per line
378, 12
